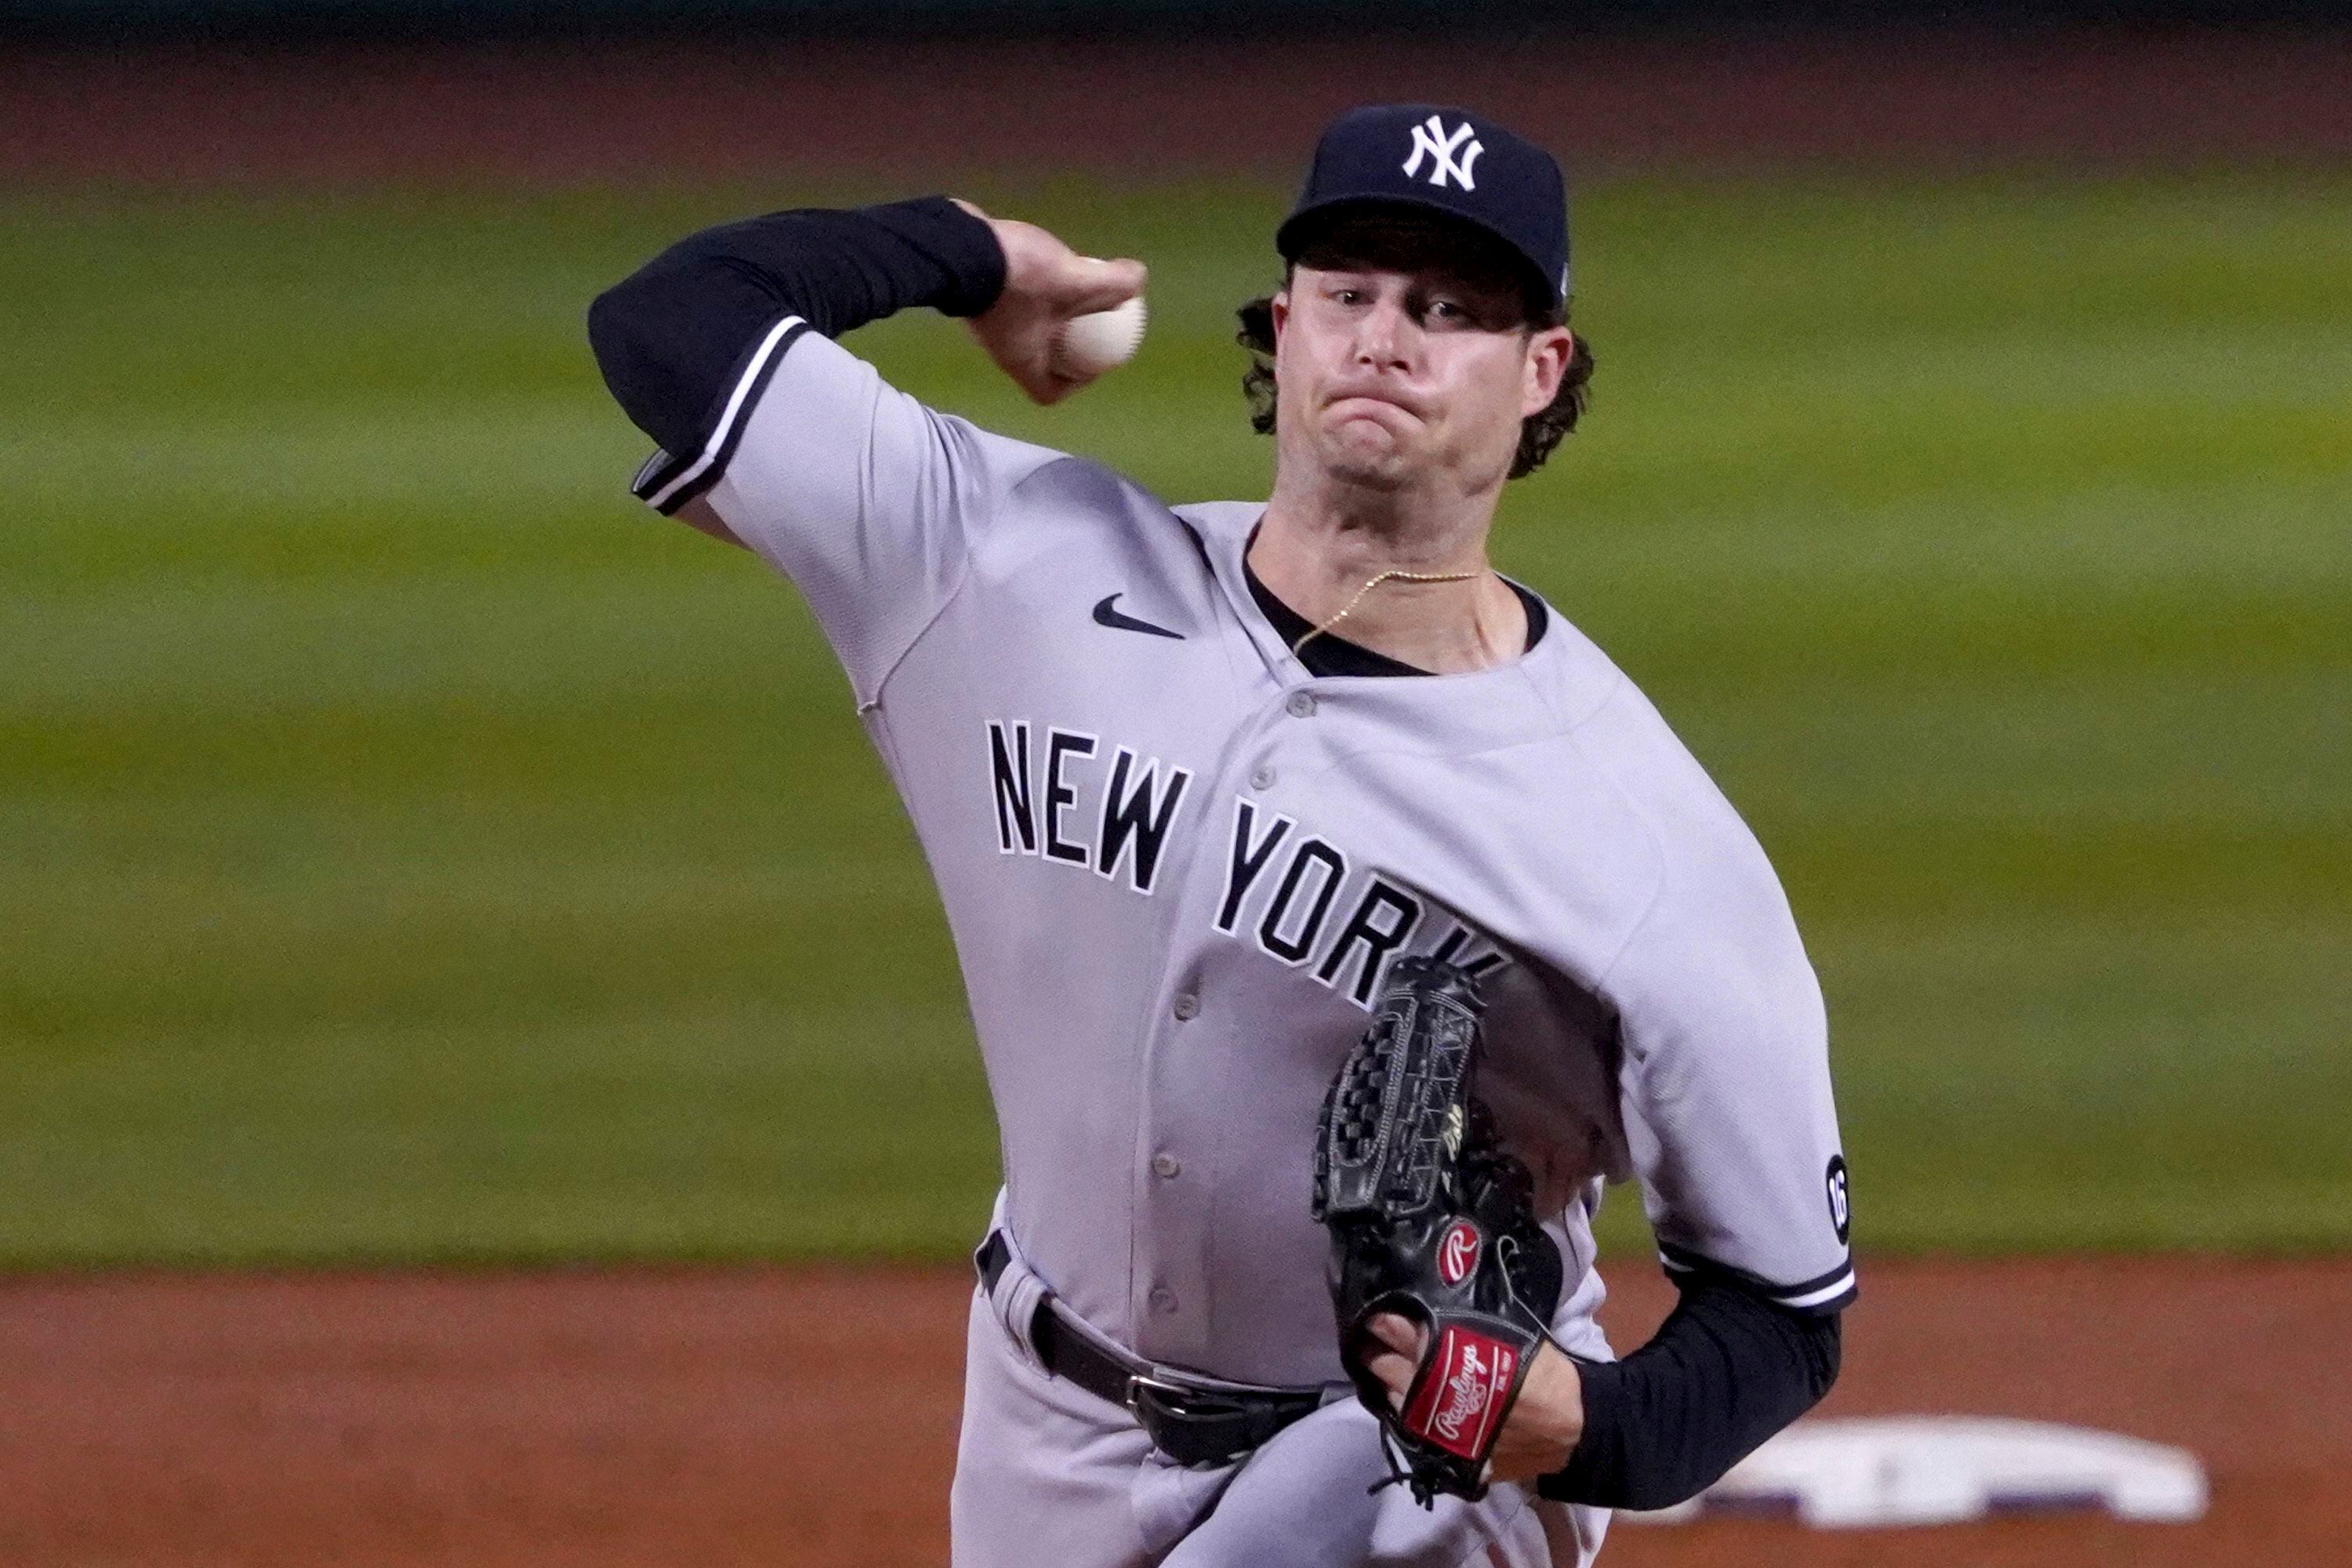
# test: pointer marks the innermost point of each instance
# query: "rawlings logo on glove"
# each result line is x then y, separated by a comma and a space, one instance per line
1458, 1253
1431, 1221
1476, 1376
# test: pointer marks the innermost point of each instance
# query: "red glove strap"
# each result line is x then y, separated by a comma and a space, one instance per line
1464, 1388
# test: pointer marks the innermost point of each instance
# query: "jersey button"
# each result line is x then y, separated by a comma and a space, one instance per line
1187, 1008
1301, 705
1262, 779
1166, 1166
1163, 1299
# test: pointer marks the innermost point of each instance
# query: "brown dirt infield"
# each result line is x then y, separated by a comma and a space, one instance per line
808, 1416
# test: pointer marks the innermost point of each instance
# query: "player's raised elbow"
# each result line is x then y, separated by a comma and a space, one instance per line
610, 337
625, 333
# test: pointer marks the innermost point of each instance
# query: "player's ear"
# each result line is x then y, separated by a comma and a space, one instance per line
1547, 361
1278, 309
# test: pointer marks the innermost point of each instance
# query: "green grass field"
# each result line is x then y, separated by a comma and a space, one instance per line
409, 848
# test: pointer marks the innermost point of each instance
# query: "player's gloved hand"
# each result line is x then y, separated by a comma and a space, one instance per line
1545, 1421
1045, 284
1436, 1259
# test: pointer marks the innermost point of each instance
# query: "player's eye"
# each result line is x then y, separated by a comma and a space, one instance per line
1347, 296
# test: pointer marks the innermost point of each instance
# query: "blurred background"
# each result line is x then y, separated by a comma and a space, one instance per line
410, 849
413, 852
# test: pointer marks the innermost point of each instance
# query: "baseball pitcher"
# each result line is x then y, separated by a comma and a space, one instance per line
1336, 920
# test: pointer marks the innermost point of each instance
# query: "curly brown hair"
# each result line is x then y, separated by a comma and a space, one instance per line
1539, 433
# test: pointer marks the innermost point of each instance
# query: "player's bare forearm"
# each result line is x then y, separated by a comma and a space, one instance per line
1046, 285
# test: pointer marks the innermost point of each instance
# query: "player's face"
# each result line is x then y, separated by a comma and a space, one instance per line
1405, 371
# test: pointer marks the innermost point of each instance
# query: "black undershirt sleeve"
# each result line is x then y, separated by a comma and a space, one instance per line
1727, 1370
672, 337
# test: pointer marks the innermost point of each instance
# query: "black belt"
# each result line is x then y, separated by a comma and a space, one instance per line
1191, 1421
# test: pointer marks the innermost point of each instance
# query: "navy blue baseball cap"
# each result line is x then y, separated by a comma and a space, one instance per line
1443, 160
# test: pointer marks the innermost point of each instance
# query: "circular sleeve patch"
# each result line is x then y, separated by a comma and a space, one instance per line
1833, 1179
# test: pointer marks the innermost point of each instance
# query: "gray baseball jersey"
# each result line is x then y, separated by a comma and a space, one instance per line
1175, 865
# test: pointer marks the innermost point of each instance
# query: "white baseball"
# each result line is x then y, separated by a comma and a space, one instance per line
1090, 344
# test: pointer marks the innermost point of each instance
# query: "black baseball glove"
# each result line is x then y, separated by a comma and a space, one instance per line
1430, 1219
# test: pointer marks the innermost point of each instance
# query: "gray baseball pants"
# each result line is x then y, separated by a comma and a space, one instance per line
1046, 1473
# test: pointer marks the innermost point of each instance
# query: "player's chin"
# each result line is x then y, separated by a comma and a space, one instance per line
1359, 453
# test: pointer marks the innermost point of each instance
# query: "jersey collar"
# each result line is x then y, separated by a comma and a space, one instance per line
1544, 691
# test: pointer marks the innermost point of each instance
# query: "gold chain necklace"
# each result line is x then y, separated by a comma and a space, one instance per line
1378, 578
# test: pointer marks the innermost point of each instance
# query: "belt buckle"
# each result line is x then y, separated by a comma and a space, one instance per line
1175, 1399
1188, 1424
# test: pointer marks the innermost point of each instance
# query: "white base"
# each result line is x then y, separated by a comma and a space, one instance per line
1947, 1470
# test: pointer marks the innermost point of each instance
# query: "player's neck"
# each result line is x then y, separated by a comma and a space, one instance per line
1316, 550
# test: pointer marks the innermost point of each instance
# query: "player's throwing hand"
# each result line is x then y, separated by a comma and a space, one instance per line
1046, 285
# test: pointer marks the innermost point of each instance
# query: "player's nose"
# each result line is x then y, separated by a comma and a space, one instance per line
1384, 334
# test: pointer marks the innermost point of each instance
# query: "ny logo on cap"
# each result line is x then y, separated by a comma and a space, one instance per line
1431, 138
